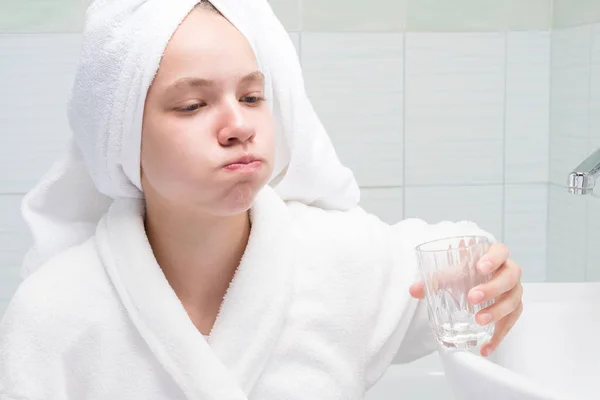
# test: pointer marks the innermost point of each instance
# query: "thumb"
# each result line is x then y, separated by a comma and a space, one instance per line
417, 290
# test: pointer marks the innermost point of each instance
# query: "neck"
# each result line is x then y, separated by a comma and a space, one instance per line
198, 254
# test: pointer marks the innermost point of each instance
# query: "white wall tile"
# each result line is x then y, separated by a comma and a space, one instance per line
481, 204
14, 235
571, 46
41, 16
527, 107
288, 12
454, 108
9, 281
296, 41
355, 83
525, 229
478, 15
593, 217
354, 15
37, 71
593, 240
566, 236
595, 89
570, 100
575, 12
386, 203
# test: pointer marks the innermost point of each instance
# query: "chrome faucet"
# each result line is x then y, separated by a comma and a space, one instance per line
583, 179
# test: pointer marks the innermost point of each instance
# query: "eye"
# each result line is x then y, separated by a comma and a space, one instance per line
253, 99
191, 107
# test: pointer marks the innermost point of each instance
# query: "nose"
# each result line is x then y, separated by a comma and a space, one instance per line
236, 128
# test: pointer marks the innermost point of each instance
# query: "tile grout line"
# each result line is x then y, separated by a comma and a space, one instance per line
300, 10
404, 97
589, 141
549, 158
456, 185
504, 128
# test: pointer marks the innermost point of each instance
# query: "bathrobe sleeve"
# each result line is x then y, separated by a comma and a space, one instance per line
400, 330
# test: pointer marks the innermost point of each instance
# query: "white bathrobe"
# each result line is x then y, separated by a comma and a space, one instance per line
318, 309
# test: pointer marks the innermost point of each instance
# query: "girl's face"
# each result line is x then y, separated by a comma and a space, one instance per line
207, 135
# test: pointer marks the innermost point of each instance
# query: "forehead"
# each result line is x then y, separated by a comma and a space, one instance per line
207, 42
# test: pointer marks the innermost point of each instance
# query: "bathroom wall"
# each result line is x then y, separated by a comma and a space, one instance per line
38, 51
574, 221
441, 110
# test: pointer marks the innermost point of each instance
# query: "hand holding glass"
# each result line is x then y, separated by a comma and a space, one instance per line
449, 271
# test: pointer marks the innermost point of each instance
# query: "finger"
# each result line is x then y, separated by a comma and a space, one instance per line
504, 280
495, 257
501, 330
417, 290
506, 304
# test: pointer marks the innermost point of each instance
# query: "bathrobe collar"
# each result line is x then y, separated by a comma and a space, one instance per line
251, 315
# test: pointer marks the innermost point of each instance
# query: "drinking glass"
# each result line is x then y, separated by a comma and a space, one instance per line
448, 270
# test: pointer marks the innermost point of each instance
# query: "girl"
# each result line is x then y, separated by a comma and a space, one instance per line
200, 240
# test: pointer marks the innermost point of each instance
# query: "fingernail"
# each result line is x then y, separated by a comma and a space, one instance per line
476, 297
485, 266
485, 319
488, 351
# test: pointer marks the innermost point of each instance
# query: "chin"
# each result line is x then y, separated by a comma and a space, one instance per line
240, 199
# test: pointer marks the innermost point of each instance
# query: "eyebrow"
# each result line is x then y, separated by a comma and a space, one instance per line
192, 82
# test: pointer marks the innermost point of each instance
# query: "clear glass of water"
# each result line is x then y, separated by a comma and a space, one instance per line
449, 270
